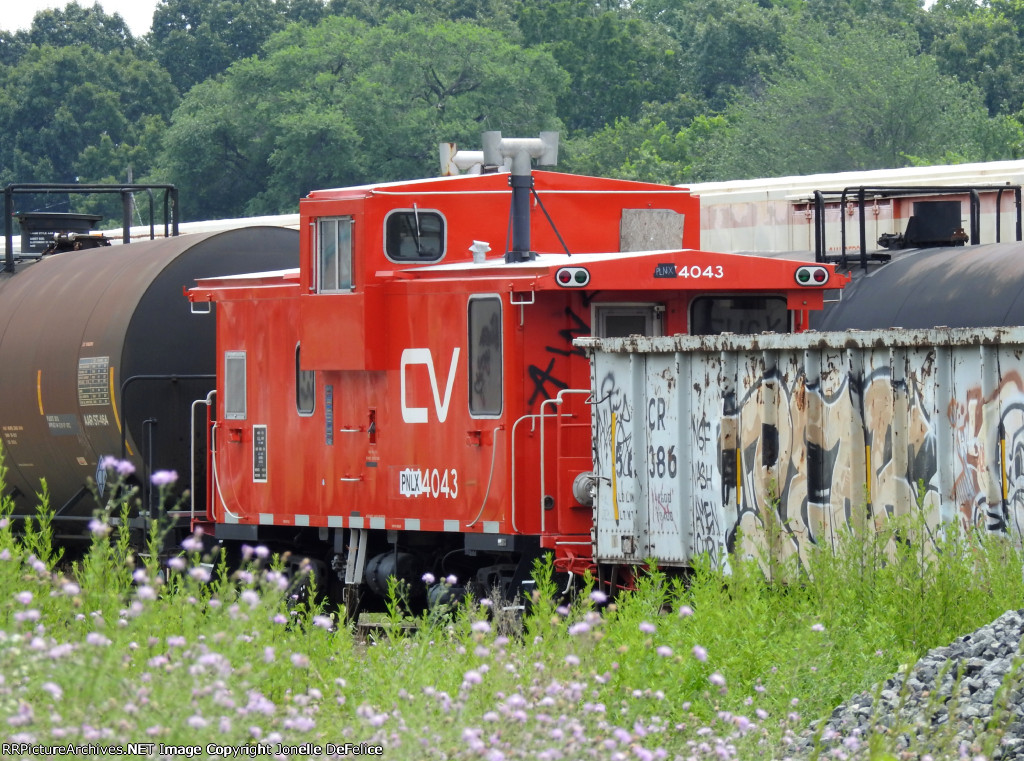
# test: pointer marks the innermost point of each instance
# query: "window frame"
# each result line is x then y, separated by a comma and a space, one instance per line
651, 312
231, 387
299, 373
336, 285
412, 211
489, 413
774, 297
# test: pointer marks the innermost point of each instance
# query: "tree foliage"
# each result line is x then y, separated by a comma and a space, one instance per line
985, 48
75, 24
829, 112
727, 48
616, 62
345, 102
198, 39
57, 102
282, 96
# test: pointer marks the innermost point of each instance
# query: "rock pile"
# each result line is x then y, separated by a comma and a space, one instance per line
957, 699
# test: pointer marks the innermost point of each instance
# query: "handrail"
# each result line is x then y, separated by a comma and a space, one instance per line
192, 451
974, 204
513, 452
27, 188
557, 400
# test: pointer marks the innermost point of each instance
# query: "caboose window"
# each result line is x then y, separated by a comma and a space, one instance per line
234, 385
711, 315
485, 356
414, 235
334, 247
621, 320
305, 387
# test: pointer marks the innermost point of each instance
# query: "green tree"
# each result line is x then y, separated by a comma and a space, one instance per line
985, 48
195, 40
885, 15
494, 14
74, 25
303, 11
57, 102
657, 146
81, 25
344, 103
617, 62
830, 112
12, 47
727, 47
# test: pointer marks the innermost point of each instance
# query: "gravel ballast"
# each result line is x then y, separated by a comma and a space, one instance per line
955, 702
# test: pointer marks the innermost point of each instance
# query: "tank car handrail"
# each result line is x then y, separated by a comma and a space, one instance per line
170, 206
894, 191
173, 377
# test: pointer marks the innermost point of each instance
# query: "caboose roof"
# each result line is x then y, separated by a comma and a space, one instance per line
546, 181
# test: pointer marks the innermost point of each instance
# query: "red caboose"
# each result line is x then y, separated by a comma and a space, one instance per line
407, 402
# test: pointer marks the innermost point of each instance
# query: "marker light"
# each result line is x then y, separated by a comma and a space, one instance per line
811, 276
572, 277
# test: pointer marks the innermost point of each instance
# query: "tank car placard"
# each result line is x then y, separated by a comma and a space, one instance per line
93, 381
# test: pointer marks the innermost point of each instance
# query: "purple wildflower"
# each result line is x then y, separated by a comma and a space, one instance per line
647, 628
599, 597
164, 477
700, 653
176, 564
98, 527
123, 467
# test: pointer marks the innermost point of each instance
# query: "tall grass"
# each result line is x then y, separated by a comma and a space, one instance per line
117, 649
